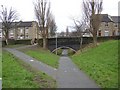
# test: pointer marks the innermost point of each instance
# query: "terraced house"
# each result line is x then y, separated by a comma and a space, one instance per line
109, 25
23, 30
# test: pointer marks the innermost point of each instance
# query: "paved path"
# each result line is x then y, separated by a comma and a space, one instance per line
67, 75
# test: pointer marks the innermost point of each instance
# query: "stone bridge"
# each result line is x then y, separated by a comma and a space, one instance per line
66, 42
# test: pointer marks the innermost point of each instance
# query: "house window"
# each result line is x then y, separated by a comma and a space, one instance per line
21, 30
26, 30
106, 24
114, 33
116, 25
106, 33
27, 36
99, 33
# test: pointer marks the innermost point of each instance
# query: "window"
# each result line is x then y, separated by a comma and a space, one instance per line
113, 33
106, 24
106, 33
27, 36
21, 30
26, 30
99, 33
116, 25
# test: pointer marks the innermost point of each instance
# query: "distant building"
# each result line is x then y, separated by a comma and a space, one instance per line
23, 30
109, 25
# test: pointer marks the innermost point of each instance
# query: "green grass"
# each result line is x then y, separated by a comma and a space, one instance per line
100, 63
0, 63
59, 51
42, 55
70, 52
14, 46
17, 74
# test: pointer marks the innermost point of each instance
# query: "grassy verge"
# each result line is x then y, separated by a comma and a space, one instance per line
100, 63
42, 55
14, 46
0, 64
17, 74
70, 52
59, 52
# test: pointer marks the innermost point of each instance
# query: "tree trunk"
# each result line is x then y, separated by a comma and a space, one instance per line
6, 40
95, 40
44, 42
81, 41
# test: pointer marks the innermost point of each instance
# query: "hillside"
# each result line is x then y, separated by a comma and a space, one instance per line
100, 63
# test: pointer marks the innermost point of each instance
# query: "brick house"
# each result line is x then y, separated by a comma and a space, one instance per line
109, 25
22, 30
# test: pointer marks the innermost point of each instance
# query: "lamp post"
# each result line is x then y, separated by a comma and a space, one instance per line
56, 43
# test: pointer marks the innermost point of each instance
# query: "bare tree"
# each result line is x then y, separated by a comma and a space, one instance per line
78, 26
7, 17
43, 13
92, 10
53, 26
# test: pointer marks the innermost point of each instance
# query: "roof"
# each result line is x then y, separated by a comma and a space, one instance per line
22, 24
116, 19
106, 18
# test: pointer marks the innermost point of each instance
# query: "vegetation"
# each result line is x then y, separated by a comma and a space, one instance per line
17, 74
70, 52
43, 55
14, 46
0, 64
59, 51
7, 17
100, 63
91, 11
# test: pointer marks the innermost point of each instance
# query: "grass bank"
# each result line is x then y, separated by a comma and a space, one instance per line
100, 63
0, 63
17, 74
42, 55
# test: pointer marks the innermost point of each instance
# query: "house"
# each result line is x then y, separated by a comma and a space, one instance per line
22, 30
109, 25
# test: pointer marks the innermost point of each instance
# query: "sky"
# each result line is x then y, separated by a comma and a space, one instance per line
63, 10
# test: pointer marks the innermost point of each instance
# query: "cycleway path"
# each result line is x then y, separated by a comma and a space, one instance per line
67, 75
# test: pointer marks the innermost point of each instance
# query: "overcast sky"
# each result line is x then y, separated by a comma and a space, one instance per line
63, 10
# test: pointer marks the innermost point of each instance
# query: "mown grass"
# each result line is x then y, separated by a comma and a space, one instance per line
100, 63
0, 63
42, 55
17, 74
14, 46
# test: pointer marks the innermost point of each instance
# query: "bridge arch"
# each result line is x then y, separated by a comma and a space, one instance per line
64, 47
